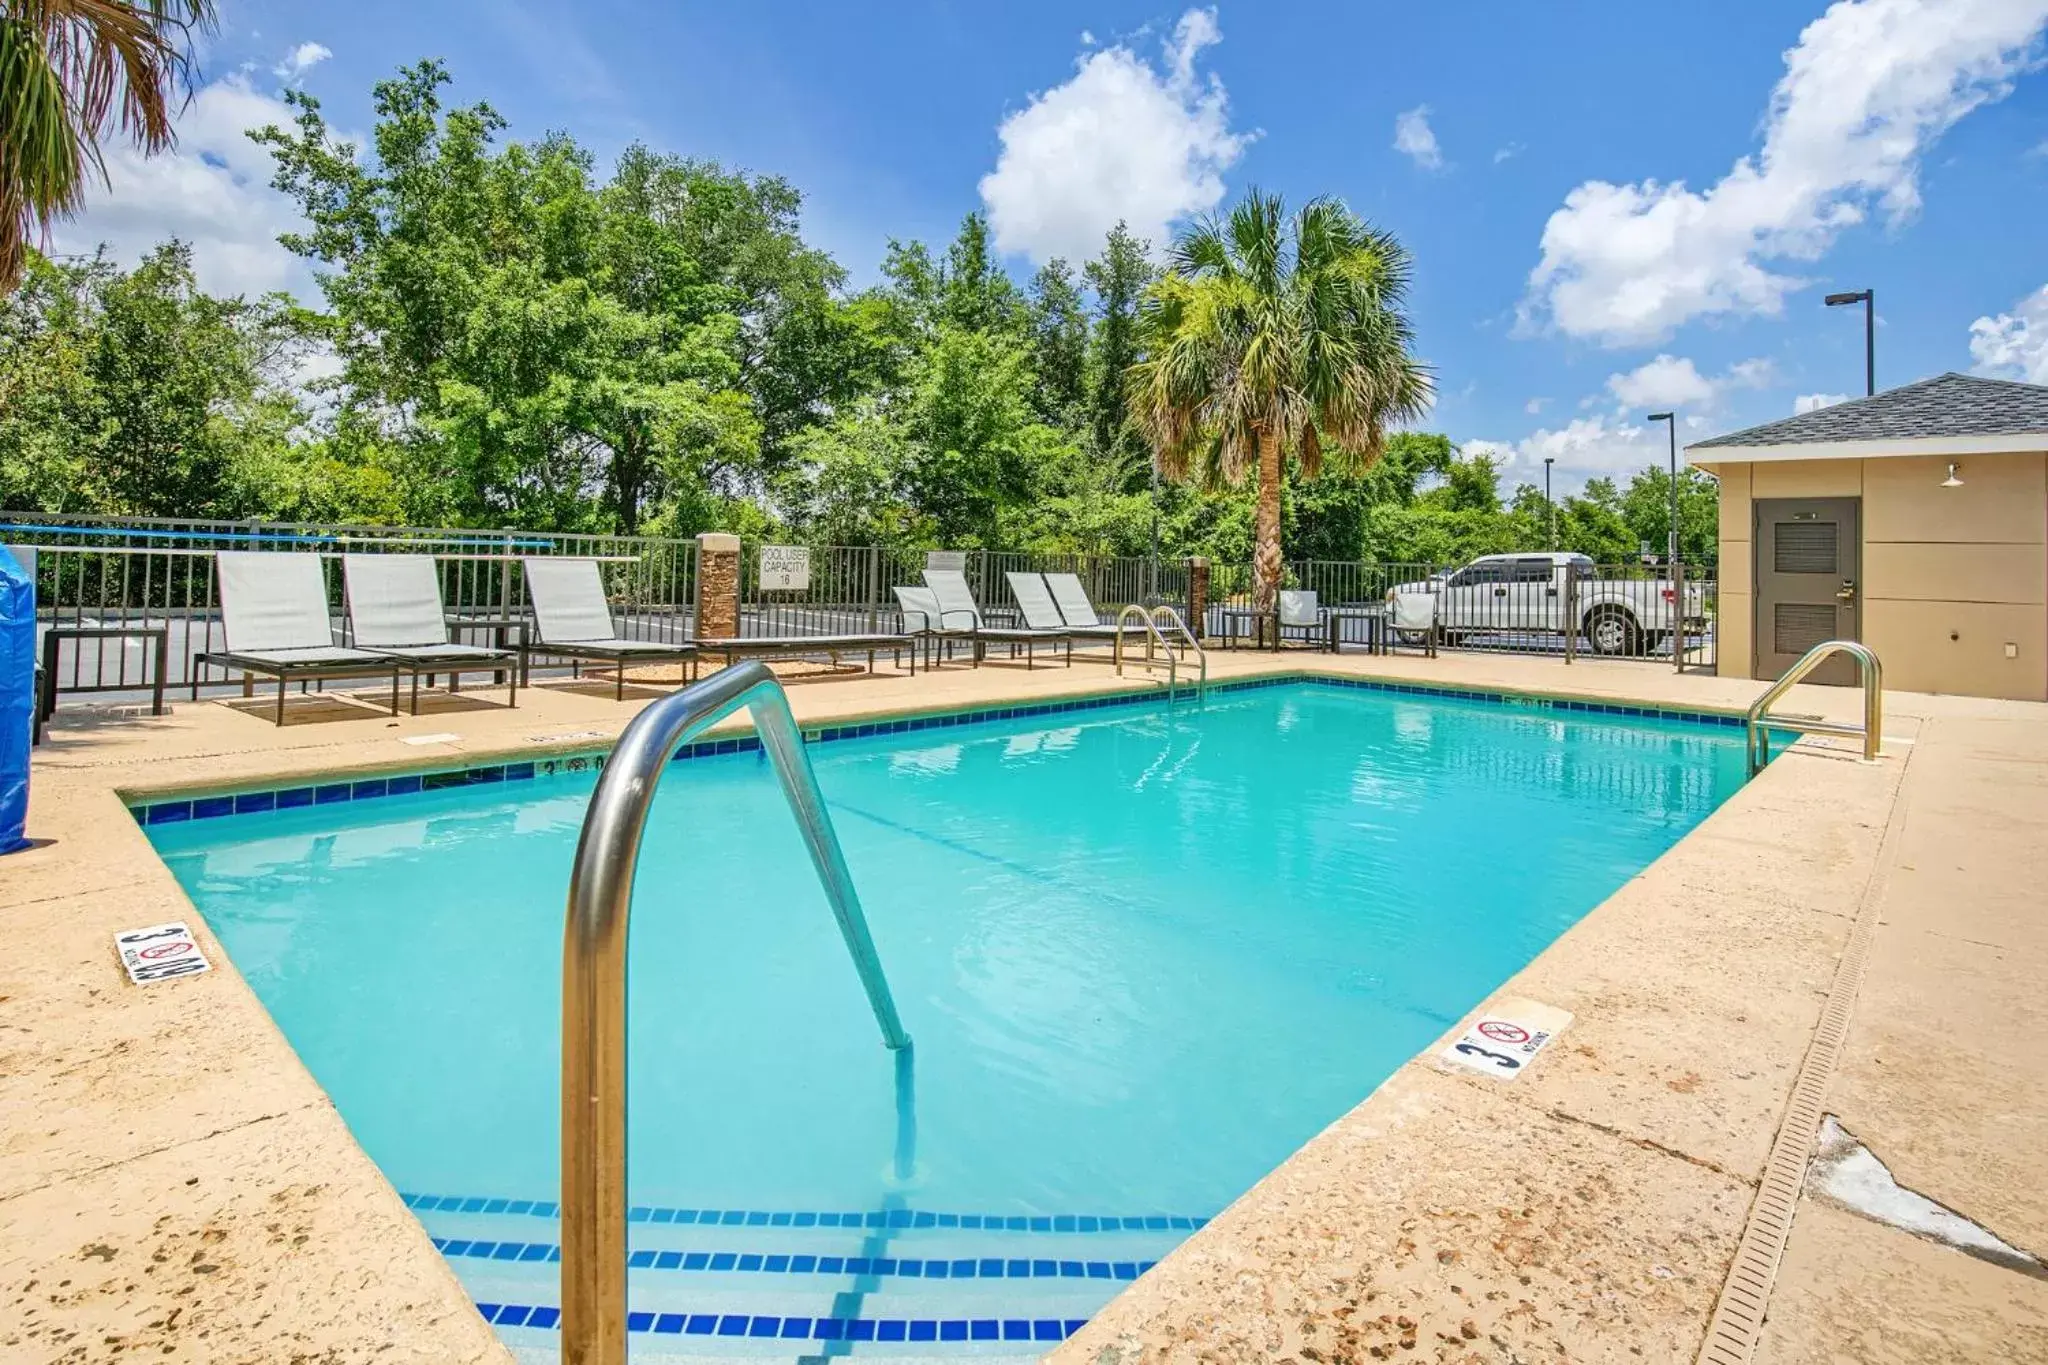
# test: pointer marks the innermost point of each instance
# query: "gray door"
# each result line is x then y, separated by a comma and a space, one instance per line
1808, 582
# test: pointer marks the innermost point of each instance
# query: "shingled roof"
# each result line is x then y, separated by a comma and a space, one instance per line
1947, 405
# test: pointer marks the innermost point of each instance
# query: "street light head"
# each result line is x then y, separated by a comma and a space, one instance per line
1837, 300
1661, 417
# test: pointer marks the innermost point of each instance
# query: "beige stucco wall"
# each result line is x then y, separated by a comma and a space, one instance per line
1951, 576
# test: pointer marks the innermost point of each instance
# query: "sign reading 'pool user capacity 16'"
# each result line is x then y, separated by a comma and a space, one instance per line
785, 568
162, 952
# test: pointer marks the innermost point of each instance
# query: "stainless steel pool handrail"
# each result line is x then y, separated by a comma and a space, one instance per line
594, 977
1173, 618
1150, 619
1869, 671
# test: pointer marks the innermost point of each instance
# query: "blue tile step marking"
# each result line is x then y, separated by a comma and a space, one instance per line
760, 1325
749, 1262
765, 1218
172, 810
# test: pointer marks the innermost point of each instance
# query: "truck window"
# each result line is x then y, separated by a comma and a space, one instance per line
1485, 571
1534, 571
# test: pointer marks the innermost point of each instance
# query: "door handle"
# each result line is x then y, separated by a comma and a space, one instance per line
1500, 592
1846, 594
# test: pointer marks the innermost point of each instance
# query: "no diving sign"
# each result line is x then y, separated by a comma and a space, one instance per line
162, 952
1505, 1038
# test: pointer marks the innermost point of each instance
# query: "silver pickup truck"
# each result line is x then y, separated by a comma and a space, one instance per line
1527, 594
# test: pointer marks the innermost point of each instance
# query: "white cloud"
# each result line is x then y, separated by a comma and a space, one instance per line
302, 59
1535, 405
1675, 382
1871, 85
2014, 345
1513, 149
212, 192
1123, 140
1814, 402
1415, 139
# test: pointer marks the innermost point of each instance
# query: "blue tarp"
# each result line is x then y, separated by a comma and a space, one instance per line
17, 696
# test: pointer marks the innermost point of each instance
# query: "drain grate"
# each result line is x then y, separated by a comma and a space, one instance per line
1738, 1321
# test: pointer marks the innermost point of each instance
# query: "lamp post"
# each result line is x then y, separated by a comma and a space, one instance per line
1670, 421
1550, 507
1868, 298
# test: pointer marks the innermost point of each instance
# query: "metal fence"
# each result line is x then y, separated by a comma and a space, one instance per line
115, 572
851, 587
1506, 604
108, 572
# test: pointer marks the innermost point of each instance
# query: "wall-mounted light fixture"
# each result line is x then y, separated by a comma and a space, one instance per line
1953, 480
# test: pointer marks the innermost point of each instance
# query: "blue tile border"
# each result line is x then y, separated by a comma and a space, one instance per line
754, 1262
548, 1318
175, 809
765, 1218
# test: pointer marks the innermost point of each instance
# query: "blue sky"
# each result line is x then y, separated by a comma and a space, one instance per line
1613, 207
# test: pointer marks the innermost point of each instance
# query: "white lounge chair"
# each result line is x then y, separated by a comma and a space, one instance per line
273, 608
958, 611
572, 620
1079, 613
394, 608
1042, 609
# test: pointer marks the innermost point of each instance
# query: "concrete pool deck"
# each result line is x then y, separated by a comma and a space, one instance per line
174, 1184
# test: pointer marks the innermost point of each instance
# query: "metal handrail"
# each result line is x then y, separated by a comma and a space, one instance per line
1179, 623
594, 977
1152, 635
1870, 672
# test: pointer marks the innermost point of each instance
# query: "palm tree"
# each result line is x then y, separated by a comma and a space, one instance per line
1267, 338
71, 72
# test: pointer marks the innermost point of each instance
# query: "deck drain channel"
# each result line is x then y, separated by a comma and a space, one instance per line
1738, 1321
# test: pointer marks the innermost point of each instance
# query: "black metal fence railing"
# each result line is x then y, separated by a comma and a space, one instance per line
850, 589
113, 572
108, 572
1506, 604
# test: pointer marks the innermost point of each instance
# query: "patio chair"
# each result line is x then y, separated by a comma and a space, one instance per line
572, 620
920, 608
957, 605
1042, 611
394, 608
1414, 622
1300, 613
273, 608
1078, 612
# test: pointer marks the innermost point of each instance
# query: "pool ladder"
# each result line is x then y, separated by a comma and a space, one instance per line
594, 979
1869, 672
1158, 621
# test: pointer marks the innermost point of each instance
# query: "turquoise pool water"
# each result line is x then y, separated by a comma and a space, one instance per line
1145, 954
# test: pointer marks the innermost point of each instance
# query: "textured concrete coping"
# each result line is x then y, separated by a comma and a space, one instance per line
174, 1184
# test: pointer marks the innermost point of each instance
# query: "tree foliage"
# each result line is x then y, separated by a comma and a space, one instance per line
510, 336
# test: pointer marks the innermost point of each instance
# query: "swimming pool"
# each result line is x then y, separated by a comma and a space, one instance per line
1145, 954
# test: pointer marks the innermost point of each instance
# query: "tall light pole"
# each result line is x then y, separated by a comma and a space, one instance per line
1868, 298
1549, 506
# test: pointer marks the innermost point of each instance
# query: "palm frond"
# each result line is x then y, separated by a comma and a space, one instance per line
72, 73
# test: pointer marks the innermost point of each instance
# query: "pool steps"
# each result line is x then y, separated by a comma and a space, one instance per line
781, 1284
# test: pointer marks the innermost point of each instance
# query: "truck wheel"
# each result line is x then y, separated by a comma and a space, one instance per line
1612, 630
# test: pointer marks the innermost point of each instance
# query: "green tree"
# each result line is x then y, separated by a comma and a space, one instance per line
1269, 338
72, 72
1645, 505
1059, 344
1119, 278
133, 392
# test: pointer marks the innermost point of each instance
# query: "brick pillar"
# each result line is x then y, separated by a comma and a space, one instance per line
1198, 593
718, 586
